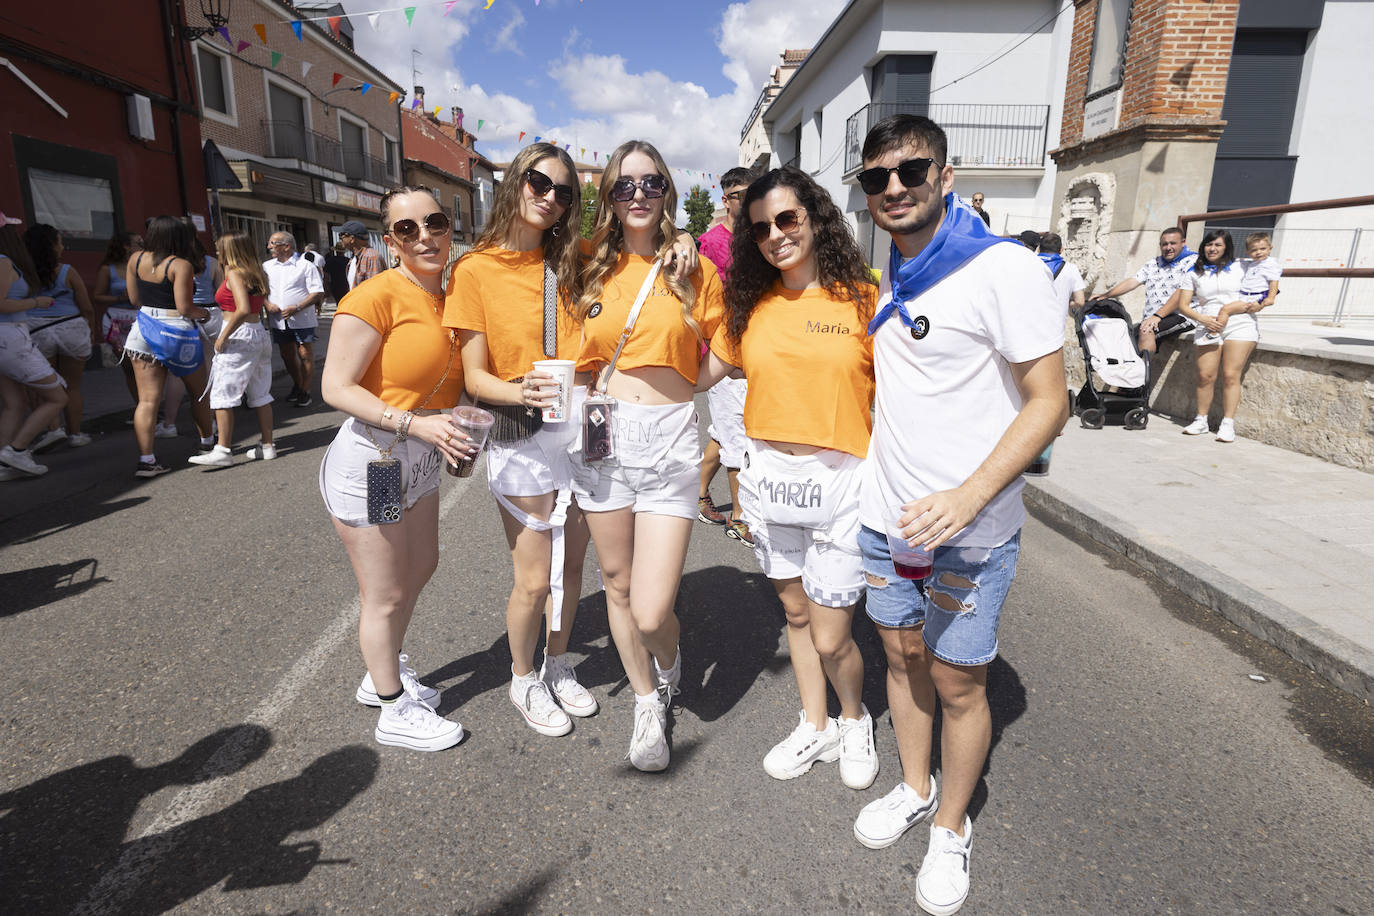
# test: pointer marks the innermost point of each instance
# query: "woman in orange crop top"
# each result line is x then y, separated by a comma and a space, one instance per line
646, 496
243, 348
496, 303
394, 370
798, 303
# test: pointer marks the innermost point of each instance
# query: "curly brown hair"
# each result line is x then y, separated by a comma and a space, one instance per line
839, 262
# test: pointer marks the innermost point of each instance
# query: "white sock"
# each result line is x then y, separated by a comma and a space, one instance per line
147, 459
653, 698
207, 440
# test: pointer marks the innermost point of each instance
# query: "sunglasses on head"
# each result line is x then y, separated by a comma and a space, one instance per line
406, 231
540, 184
786, 221
911, 173
652, 185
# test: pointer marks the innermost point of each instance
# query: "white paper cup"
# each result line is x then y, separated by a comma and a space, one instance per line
563, 371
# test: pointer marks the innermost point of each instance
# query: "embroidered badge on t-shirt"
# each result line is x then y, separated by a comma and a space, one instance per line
921, 327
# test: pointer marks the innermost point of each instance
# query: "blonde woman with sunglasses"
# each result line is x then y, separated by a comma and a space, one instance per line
394, 370
640, 505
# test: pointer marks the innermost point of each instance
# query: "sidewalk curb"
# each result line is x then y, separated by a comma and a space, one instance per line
1345, 664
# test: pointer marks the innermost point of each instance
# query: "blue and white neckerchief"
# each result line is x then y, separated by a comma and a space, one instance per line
1165, 265
1052, 261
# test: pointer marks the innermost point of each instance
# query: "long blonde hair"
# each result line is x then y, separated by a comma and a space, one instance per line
560, 240
608, 237
236, 252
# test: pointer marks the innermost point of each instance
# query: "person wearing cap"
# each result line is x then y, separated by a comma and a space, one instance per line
366, 262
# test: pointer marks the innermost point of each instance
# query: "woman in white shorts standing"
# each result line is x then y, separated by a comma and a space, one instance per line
64, 332
244, 364
205, 285
798, 301
641, 504
1223, 341
110, 294
21, 365
507, 299
395, 371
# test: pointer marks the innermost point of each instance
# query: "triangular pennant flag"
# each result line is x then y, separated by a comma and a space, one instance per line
239, 49
480, 122
296, 27
363, 91
391, 99
276, 59
337, 77
334, 24
224, 33
537, 139
373, 19
521, 137
305, 68
437, 109
594, 155
415, 104
261, 29
566, 146
584, 152
449, 5
410, 15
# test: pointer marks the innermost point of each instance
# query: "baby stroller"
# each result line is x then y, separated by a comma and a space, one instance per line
1108, 339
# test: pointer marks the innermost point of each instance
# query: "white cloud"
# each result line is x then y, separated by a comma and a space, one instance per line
505, 39
752, 35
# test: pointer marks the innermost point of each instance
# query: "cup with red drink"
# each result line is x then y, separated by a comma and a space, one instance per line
907, 561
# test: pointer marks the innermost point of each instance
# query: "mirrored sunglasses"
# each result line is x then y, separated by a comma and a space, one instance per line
406, 231
653, 186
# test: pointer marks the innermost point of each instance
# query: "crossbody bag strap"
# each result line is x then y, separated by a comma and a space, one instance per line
550, 312
630, 323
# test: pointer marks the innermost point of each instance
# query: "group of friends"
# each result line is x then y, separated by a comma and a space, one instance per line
878, 417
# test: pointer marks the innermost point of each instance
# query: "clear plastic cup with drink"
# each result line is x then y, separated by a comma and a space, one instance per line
563, 371
475, 424
1040, 467
907, 561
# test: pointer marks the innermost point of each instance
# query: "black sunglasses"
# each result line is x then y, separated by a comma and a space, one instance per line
736, 195
406, 231
786, 221
540, 184
652, 185
911, 173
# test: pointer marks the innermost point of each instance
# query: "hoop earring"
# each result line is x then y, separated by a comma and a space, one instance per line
557, 228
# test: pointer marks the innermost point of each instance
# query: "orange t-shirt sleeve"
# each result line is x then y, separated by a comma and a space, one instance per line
724, 348
710, 305
463, 307
367, 303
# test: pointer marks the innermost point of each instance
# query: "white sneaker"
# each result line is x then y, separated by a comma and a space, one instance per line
1197, 428
408, 723
21, 461
649, 743
883, 821
262, 452
669, 680
367, 692
531, 696
559, 674
78, 440
942, 883
217, 457
858, 759
49, 439
165, 431
1226, 432
794, 755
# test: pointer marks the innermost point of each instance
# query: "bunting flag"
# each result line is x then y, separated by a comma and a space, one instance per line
410, 15
305, 68
521, 137
261, 29
480, 122
224, 33
566, 146
415, 104
373, 19
437, 109
363, 91
449, 5
337, 77
594, 155
489, 3
391, 99
458, 121
276, 59
584, 152
334, 22
536, 139
242, 45
296, 27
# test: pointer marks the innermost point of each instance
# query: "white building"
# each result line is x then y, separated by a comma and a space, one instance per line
991, 72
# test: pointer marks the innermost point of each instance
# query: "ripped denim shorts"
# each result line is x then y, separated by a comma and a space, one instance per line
977, 579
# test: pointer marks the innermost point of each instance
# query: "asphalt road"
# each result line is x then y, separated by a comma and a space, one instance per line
179, 731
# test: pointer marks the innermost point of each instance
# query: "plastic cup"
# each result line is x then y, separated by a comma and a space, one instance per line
1040, 467
563, 371
475, 423
907, 561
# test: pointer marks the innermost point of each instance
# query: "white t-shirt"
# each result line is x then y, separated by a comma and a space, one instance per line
1258, 275
1214, 288
1069, 281
943, 402
1160, 282
291, 281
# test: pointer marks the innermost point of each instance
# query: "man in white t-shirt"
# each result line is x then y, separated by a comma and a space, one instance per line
968, 355
1066, 278
1161, 277
292, 312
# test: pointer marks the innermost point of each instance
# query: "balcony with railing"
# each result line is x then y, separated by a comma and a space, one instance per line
980, 136
359, 166
289, 140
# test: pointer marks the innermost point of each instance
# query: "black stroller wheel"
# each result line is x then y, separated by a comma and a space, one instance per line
1092, 418
1137, 418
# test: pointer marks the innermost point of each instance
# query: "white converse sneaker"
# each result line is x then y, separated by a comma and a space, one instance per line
942, 883
22, 461
165, 431
367, 692
1226, 431
883, 821
858, 759
649, 743
669, 680
531, 696
557, 672
794, 755
1197, 428
49, 439
408, 723
217, 457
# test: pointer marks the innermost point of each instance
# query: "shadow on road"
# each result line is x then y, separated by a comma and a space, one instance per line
41, 515
523, 898
34, 588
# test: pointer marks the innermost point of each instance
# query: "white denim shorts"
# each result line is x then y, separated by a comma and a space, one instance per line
803, 512
20, 359
657, 464
343, 471
71, 337
540, 464
245, 366
1238, 327
726, 402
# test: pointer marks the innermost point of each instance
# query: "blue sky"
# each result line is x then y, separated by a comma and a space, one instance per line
595, 73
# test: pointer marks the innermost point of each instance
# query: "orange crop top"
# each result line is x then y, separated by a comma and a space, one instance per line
415, 346
501, 294
809, 361
660, 336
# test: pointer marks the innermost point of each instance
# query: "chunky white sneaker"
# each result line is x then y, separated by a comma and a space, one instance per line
649, 743
262, 452
1226, 432
217, 457
531, 696
407, 723
942, 883
558, 673
858, 759
165, 431
669, 680
1197, 428
49, 439
22, 461
78, 440
883, 821
794, 755
367, 691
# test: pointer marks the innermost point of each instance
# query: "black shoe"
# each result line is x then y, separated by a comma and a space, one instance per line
304, 400
293, 395
150, 469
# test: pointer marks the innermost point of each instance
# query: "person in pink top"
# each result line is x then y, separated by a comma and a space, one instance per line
726, 398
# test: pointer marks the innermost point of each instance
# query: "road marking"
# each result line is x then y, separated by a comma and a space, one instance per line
127, 875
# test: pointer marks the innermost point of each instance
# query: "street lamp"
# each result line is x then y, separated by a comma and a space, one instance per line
216, 12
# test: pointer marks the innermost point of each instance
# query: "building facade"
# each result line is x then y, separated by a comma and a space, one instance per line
438, 160
755, 149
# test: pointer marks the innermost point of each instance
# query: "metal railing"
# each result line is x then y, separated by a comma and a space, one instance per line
980, 136
359, 166
290, 140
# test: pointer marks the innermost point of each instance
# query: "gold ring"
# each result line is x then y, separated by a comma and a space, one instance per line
448, 437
